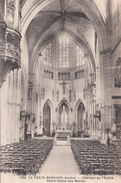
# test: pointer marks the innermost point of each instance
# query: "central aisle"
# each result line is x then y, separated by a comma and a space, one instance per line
60, 162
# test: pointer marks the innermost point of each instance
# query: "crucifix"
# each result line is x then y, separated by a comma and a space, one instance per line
64, 86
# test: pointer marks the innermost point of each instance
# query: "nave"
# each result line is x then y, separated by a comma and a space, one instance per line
45, 157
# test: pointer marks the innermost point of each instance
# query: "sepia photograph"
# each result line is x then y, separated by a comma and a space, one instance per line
60, 91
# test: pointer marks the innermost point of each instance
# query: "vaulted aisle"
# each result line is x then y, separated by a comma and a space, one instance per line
60, 162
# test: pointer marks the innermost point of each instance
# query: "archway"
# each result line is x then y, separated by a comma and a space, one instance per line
80, 121
46, 119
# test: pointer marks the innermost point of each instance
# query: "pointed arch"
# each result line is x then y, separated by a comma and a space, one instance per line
80, 120
78, 102
66, 102
41, 44
64, 115
50, 103
79, 108
47, 119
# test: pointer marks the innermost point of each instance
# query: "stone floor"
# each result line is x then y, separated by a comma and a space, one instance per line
60, 162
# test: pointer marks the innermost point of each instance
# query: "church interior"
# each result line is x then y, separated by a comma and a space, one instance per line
60, 82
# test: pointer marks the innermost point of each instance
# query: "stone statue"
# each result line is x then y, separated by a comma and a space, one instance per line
68, 140
64, 86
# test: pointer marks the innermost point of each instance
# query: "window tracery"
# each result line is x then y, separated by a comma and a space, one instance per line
80, 56
63, 52
47, 54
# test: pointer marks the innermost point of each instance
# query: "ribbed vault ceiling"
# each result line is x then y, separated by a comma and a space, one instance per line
59, 16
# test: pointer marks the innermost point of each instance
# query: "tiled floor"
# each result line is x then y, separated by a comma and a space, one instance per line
60, 162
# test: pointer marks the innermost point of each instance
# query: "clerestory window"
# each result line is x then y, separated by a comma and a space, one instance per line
63, 52
47, 54
80, 56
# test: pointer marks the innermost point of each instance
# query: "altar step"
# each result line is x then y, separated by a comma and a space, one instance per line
62, 138
61, 143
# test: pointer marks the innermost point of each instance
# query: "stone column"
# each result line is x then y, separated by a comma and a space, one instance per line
8, 108
17, 105
5, 10
0, 112
19, 102
92, 119
41, 124
14, 105
89, 119
16, 14
5, 120
94, 111
38, 117
11, 106
105, 84
102, 125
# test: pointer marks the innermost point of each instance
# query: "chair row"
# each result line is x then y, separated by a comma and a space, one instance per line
96, 158
25, 157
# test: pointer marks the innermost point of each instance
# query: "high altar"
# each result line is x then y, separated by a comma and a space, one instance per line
64, 132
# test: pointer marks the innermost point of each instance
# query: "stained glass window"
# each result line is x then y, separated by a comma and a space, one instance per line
63, 51
47, 54
80, 56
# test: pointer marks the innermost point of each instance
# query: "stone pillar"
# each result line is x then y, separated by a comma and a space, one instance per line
102, 125
38, 118
8, 107
0, 113
18, 101
16, 14
41, 124
94, 111
3, 117
14, 109
18, 105
16, 92
105, 85
11, 110
14, 105
91, 120
5, 10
